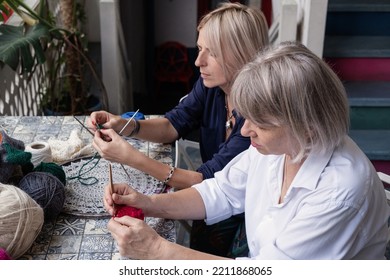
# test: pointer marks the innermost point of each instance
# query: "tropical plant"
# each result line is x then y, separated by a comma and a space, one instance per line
56, 47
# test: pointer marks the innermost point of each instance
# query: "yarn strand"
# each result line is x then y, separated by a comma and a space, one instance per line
87, 181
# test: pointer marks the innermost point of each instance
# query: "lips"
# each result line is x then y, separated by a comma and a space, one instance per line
255, 145
204, 75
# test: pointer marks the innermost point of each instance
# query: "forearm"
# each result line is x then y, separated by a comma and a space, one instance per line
180, 178
157, 130
184, 204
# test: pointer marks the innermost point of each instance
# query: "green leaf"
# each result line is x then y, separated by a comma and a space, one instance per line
18, 46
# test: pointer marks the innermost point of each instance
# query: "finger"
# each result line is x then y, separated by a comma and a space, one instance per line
100, 137
108, 201
115, 227
125, 221
108, 134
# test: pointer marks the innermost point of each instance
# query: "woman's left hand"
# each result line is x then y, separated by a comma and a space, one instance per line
135, 238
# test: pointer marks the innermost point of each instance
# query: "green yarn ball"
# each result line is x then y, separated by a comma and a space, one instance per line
52, 168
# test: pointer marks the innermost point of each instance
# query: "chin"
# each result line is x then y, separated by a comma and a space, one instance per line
210, 84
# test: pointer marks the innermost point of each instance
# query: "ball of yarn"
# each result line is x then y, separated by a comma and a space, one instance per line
47, 190
53, 169
21, 220
125, 210
4, 255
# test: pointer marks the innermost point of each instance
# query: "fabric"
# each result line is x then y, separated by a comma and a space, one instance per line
335, 207
204, 109
70, 149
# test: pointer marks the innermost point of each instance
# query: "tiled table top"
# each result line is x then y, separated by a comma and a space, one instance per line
73, 236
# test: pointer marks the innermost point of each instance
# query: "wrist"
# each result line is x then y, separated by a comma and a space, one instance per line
135, 128
169, 176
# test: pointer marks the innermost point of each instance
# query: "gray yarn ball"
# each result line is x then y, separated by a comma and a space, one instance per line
47, 190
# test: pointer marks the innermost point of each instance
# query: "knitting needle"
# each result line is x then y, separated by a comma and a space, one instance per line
111, 184
132, 117
120, 132
90, 132
124, 169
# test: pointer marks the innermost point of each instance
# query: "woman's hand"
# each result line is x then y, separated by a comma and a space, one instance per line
123, 195
104, 119
135, 238
113, 147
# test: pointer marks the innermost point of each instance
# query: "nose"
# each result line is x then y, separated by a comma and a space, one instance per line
200, 59
245, 129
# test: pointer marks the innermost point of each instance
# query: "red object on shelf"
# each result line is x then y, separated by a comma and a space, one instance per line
7, 16
124, 210
172, 65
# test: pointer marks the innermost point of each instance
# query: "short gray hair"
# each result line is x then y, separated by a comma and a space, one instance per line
291, 86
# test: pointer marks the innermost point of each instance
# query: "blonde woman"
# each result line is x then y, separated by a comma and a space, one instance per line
307, 190
228, 38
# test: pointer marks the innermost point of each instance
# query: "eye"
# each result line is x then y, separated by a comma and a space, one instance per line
265, 126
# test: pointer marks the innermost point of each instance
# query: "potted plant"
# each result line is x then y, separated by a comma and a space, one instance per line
58, 48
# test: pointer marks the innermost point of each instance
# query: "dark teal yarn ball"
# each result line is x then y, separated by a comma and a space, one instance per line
52, 168
47, 190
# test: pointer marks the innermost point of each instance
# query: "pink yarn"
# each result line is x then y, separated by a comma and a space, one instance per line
4, 255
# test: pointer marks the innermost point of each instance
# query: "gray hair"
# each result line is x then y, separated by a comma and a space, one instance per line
234, 33
290, 86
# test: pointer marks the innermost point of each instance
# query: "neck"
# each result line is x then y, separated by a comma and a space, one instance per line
227, 104
290, 170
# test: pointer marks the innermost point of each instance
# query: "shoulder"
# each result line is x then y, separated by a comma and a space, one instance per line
350, 173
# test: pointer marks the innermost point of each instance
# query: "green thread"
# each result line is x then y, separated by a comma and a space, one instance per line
87, 181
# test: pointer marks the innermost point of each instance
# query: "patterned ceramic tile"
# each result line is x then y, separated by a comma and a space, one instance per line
96, 226
68, 225
60, 244
96, 243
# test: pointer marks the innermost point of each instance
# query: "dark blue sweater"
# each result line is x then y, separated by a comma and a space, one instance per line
204, 109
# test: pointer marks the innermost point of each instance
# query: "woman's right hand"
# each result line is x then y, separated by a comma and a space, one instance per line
105, 119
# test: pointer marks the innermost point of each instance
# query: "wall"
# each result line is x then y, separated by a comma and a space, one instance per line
176, 20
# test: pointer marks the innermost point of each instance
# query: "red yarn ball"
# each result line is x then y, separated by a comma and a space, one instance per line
124, 210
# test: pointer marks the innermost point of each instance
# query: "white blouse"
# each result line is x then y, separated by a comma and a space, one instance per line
335, 208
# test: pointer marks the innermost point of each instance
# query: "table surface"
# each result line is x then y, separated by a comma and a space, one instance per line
83, 234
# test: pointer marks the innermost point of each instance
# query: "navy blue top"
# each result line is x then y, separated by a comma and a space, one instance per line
204, 109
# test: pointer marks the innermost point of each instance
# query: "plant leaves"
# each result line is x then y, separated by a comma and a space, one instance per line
18, 46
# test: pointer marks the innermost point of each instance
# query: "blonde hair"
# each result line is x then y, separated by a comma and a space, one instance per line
235, 33
288, 85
